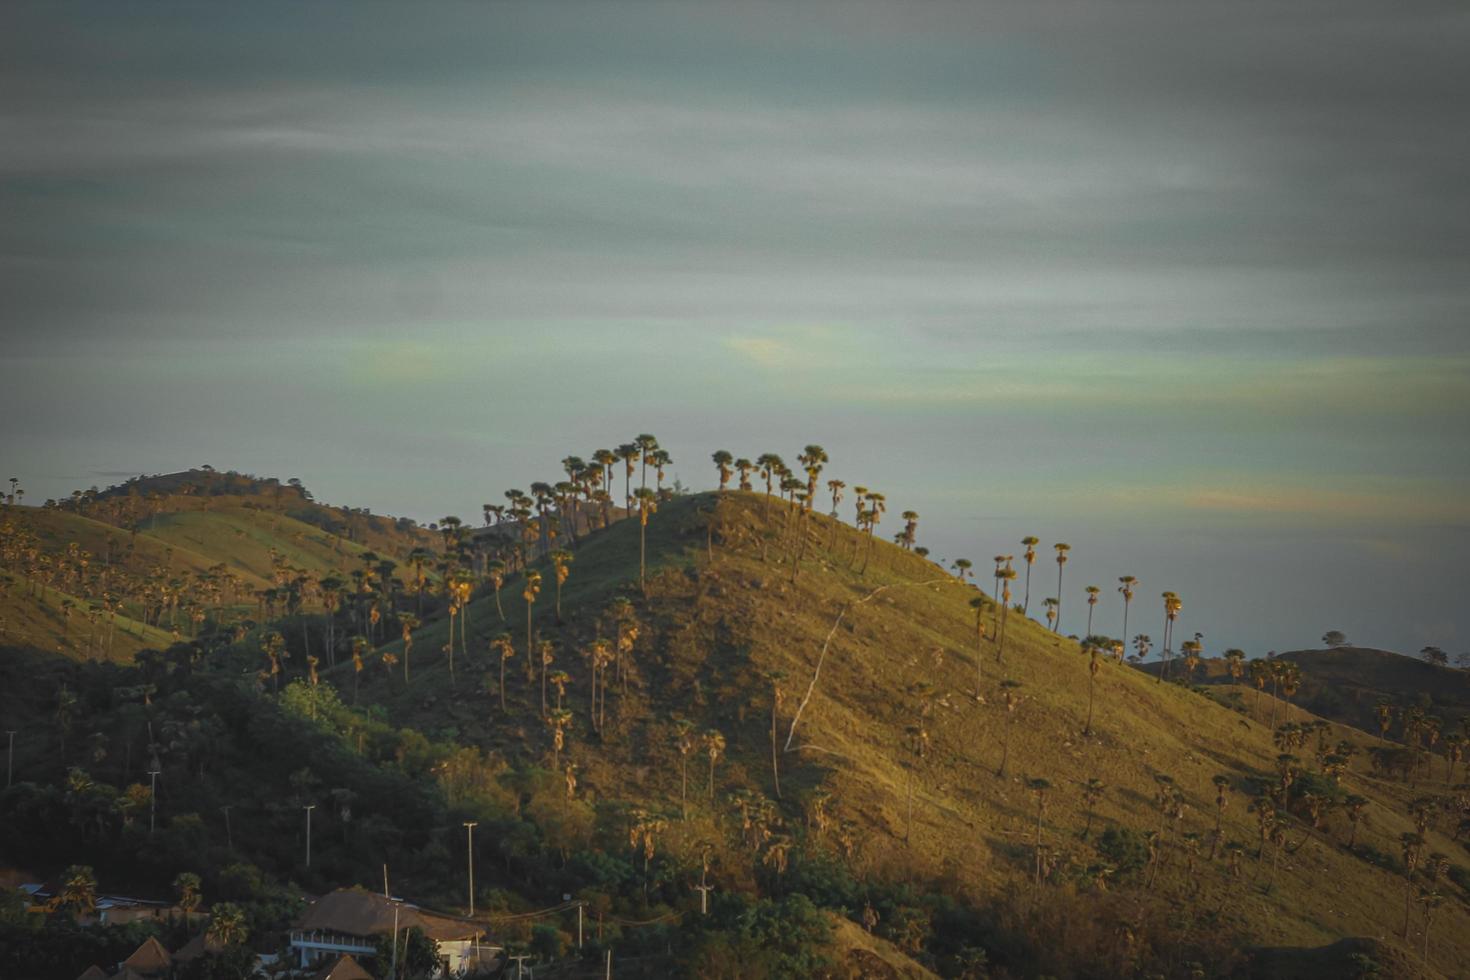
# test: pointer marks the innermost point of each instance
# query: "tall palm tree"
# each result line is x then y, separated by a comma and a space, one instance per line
1235, 663
1062, 549
408, 622
1007, 576
647, 505
187, 884
1011, 698
1092, 594
744, 467
1412, 848
911, 530
978, 604
1039, 789
630, 454
777, 696
502, 643
769, 465
647, 445
962, 568
1051, 603
548, 657
1142, 643
684, 742
529, 593
1092, 792
722, 460
714, 746
1127, 584
1030, 541
78, 892
561, 563
359, 647
1354, 805
812, 459
1094, 664
495, 572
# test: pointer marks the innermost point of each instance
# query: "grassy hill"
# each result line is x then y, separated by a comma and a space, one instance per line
925, 764
904, 656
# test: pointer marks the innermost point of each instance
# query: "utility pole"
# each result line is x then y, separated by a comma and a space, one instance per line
704, 891
520, 960
308, 808
470, 825
393, 970
153, 775
579, 924
229, 838
385, 880
10, 760
609, 963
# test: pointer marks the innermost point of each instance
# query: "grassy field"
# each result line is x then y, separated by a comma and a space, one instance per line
904, 656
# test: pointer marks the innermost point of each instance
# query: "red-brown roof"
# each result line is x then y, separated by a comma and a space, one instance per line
150, 957
358, 912
93, 972
346, 968
197, 947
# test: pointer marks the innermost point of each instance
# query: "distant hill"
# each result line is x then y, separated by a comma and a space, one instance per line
1345, 684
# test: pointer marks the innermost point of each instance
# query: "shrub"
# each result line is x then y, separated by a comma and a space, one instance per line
1126, 849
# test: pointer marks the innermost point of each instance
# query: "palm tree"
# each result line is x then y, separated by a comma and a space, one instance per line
962, 567
722, 460
561, 563
529, 593
359, 646
1092, 792
548, 657
1062, 548
1259, 672
744, 467
630, 454
1094, 664
1007, 576
1222, 800
769, 465
1092, 593
1030, 541
505, 646
408, 622
1354, 805
1412, 847
187, 884
714, 745
1011, 699
495, 572
78, 892
777, 696
978, 604
1143, 643
911, 530
558, 721
812, 459
1127, 584
647, 445
1235, 663
1191, 650
647, 504
1039, 788
227, 924
1051, 603
836, 487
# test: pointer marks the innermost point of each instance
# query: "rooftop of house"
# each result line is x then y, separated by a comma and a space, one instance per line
358, 912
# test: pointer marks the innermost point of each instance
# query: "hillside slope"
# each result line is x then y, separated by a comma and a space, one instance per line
900, 670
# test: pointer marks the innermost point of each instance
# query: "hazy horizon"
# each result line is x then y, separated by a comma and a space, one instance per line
1181, 286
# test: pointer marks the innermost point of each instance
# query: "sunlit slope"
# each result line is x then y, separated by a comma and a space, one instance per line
243, 538
714, 632
40, 621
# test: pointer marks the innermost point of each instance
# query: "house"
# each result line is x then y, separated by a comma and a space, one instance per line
349, 922
93, 972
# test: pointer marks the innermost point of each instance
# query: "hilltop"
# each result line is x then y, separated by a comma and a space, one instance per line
920, 762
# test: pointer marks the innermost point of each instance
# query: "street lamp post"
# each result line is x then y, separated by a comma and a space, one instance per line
308, 808
470, 825
153, 775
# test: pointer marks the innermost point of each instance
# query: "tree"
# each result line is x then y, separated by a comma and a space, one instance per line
1092, 793
714, 746
1039, 789
1030, 541
769, 465
1007, 576
1434, 655
1334, 638
647, 504
630, 454
1235, 663
529, 592
1062, 554
1260, 672
1051, 603
495, 572
1411, 846
1127, 583
227, 924
978, 604
1354, 805
1010, 700
1093, 592
962, 567
744, 467
1222, 800
684, 742
1094, 664
409, 623
503, 644
722, 460
777, 696
78, 892
911, 530
187, 883
812, 459
561, 563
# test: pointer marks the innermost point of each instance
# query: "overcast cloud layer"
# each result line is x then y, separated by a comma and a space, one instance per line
1184, 284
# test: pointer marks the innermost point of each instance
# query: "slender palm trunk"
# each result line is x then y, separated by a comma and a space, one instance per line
775, 770
502, 684
1026, 600
1091, 687
1089, 623
1057, 624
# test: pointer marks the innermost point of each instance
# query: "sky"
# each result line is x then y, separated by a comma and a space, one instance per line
1183, 284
